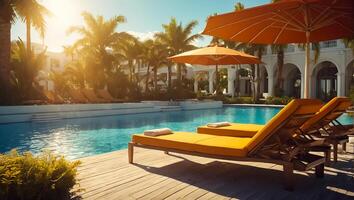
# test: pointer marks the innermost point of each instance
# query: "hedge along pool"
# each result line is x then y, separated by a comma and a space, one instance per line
82, 137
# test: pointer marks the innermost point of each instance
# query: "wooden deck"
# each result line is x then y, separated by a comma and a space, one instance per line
159, 176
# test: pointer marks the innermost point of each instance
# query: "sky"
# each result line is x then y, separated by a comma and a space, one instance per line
144, 17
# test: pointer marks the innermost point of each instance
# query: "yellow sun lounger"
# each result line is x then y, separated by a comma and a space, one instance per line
91, 96
77, 96
326, 115
272, 144
235, 129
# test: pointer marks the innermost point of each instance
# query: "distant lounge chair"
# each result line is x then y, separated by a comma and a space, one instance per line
77, 96
91, 96
318, 125
325, 124
34, 102
108, 97
274, 143
53, 98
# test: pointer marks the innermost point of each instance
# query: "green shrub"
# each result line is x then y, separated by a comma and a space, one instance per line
239, 100
278, 100
46, 176
352, 93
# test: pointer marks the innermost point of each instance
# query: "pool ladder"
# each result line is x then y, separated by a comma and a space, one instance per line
45, 117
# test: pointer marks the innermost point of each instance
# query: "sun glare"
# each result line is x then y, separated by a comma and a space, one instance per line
64, 13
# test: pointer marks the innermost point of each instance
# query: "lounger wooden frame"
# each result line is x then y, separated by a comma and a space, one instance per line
323, 126
297, 159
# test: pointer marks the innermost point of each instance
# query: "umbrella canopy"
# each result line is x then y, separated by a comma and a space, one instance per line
215, 56
287, 21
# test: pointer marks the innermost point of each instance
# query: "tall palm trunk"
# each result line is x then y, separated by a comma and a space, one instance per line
280, 62
155, 78
28, 35
169, 70
131, 71
237, 88
253, 82
147, 78
258, 76
5, 48
179, 76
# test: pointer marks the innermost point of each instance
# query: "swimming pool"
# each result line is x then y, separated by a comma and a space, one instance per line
82, 137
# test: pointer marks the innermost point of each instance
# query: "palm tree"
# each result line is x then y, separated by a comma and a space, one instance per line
32, 13
98, 35
76, 73
157, 59
25, 69
7, 17
145, 56
70, 50
9, 11
279, 50
177, 38
60, 82
253, 49
130, 50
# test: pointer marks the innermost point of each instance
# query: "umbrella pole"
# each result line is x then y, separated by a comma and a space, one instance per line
307, 66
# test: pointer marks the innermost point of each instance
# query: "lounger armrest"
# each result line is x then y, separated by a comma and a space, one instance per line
308, 161
318, 142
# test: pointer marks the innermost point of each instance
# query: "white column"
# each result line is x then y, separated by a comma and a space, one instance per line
340, 84
271, 83
302, 86
195, 85
211, 81
231, 76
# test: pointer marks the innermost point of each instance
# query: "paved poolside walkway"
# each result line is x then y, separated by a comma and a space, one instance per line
159, 176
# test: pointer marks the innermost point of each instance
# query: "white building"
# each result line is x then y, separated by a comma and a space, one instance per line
331, 75
55, 61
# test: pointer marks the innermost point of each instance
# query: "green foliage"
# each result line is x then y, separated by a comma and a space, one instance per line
46, 176
278, 100
239, 100
25, 68
178, 39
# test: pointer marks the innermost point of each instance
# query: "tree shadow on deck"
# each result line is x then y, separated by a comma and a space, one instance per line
242, 181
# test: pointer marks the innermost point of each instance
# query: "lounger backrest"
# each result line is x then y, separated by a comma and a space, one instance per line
50, 96
329, 112
89, 94
105, 94
77, 96
291, 117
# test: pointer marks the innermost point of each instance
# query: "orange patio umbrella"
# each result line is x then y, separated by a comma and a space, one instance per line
215, 56
287, 21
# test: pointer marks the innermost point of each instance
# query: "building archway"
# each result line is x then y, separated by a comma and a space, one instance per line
291, 80
325, 80
349, 78
263, 80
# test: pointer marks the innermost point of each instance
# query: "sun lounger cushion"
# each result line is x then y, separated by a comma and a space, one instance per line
336, 104
237, 130
201, 143
295, 107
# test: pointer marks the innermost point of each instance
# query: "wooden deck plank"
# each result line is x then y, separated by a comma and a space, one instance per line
156, 175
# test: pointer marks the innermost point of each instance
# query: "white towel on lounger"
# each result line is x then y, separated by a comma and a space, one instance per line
218, 124
158, 132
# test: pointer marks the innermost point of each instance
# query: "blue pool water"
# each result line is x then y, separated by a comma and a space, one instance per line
82, 137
